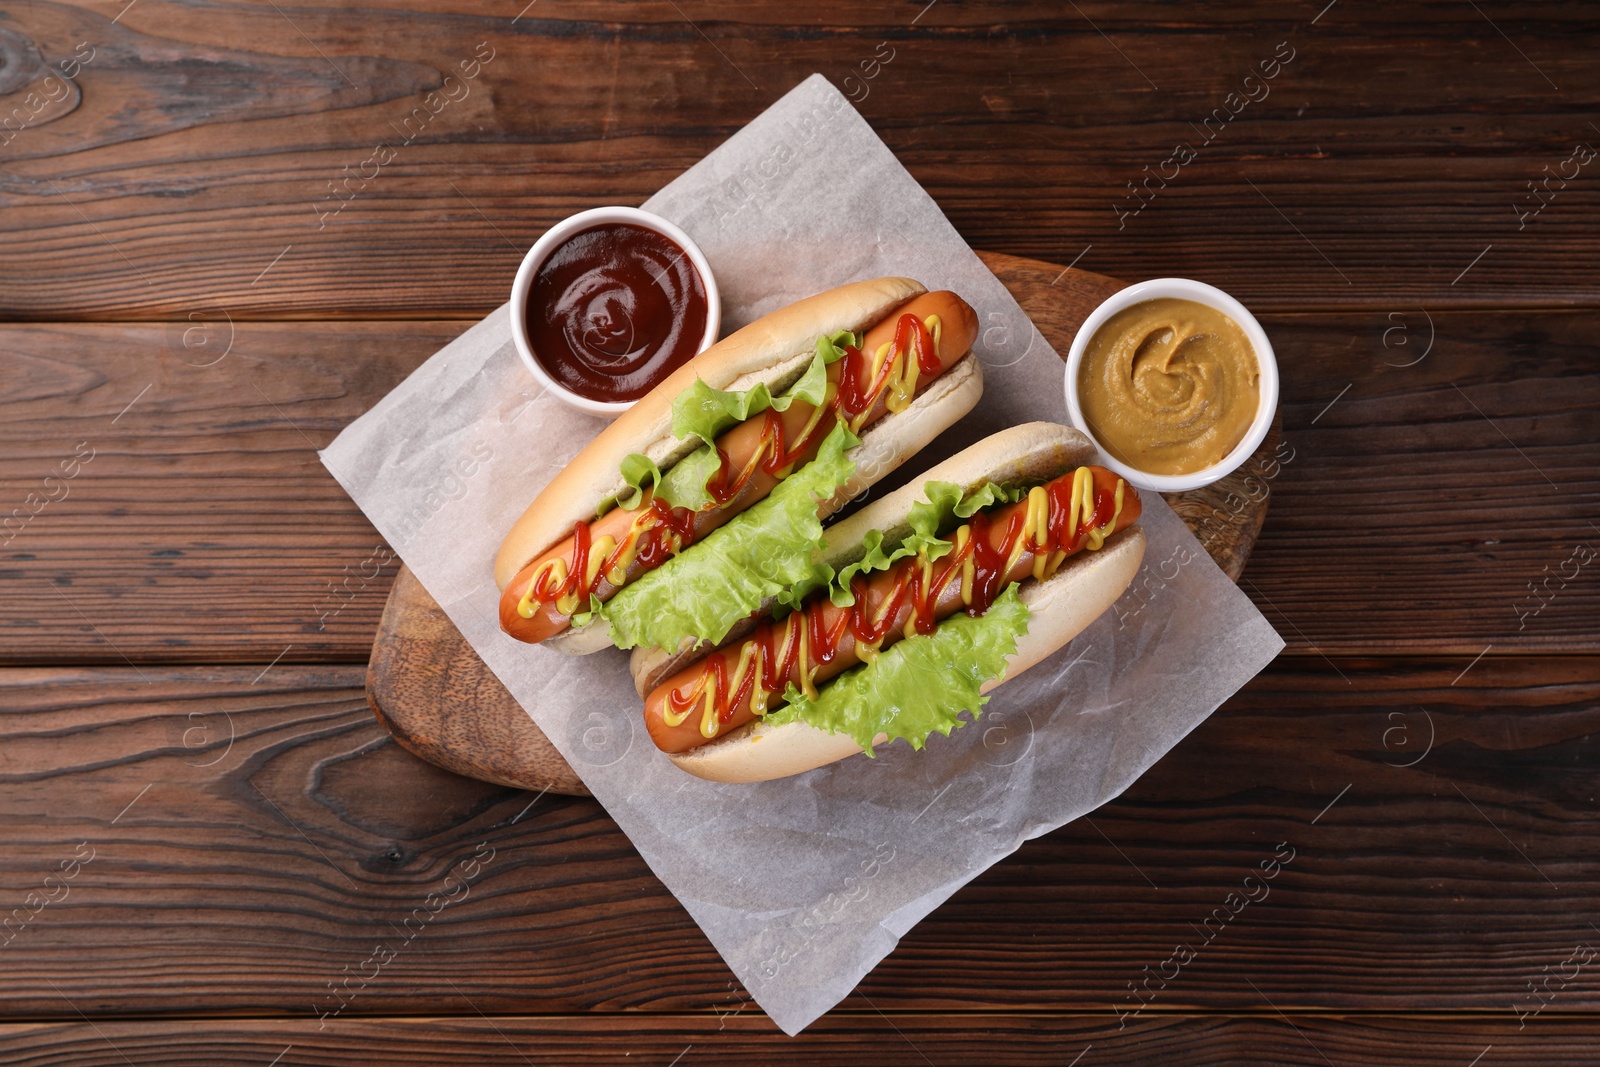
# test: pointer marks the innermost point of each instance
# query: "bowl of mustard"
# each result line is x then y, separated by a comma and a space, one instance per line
1174, 381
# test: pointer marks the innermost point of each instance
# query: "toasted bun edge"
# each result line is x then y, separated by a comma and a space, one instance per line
773, 349
1061, 608
885, 445
1026, 452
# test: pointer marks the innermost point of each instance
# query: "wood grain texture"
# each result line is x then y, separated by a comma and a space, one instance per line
255, 835
861, 1038
203, 141
200, 524
210, 166
429, 690
205, 529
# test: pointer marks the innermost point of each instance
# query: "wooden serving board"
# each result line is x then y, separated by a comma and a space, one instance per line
430, 690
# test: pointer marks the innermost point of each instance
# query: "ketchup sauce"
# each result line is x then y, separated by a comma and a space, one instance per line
614, 310
1054, 522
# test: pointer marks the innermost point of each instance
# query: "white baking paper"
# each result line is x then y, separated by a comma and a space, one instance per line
803, 885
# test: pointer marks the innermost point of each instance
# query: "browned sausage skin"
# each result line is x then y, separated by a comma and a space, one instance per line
1030, 538
602, 556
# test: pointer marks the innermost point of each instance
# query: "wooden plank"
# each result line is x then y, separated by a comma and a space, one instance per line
199, 524
250, 838
432, 693
222, 156
1450, 503
204, 529
865, 1038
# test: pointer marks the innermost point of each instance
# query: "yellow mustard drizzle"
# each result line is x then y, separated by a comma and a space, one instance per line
903, 387
1034, 537
1082, 496
618, 572
1035, 517
811, 424
904, 374
1098, 535
925, 567
878, 358
807, 685
1036, 529
708, 696
554, 571
758, 694
969, 568
602, 547
750, 658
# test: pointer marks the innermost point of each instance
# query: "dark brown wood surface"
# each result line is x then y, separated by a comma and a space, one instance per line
430, 690
184, 624
254, 834
866, 1038
1390, 151
207, 518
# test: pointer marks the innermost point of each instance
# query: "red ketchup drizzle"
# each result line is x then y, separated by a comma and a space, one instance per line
773, 454
855, 395
654, 547
871, 623
1060, 491
543, 590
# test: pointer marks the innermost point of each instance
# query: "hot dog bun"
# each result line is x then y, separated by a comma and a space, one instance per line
1031, 452
774, 350
1061, 607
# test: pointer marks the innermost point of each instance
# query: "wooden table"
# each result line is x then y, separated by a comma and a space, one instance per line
209, 266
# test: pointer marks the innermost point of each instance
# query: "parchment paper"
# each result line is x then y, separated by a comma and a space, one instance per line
803, 885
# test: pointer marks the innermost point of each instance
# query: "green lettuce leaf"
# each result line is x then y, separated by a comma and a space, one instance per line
919, 685
641, 473
760, 553
684, 486
945, 504
704, 412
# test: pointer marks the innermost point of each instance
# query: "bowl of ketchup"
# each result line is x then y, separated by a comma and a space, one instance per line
608, 303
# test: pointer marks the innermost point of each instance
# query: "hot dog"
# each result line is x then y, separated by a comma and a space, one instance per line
1067, 542
906, 376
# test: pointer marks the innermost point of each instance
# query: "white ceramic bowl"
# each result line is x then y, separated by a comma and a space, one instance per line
557, 235
1200, 293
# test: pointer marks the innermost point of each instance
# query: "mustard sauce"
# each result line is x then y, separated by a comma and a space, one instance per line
1169, 386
